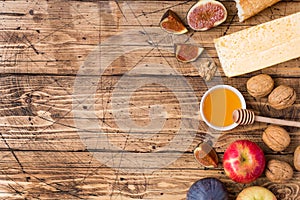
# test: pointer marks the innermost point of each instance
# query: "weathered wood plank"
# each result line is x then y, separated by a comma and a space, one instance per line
123, 12
103, 183
39, 108
58, 35
66, 140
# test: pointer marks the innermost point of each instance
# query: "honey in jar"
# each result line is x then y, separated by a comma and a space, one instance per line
219, 105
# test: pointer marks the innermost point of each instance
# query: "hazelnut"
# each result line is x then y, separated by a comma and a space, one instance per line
279, 171
297, 158
276, 138
282, 97
260, 85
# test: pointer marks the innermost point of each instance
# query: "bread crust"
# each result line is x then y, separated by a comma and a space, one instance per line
249, 8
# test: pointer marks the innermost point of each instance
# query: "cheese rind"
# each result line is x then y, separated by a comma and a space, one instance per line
260, 46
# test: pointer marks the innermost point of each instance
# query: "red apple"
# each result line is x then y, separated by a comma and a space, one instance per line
244, 161
256, 192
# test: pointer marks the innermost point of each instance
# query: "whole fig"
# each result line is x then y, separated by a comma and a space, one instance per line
207, 188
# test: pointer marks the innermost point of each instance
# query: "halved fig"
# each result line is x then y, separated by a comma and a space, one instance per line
171, 23
206, 14
187, 52
206, 155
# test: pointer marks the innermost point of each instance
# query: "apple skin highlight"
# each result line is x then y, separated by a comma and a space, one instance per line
244, 161
256, 192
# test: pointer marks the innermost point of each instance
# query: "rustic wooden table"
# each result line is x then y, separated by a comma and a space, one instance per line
70, 127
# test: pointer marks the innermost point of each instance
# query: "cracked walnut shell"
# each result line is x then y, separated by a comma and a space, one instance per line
276, 138
260, 85
282, 97
279, 171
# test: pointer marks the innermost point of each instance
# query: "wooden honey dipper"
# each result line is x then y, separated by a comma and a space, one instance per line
244, 117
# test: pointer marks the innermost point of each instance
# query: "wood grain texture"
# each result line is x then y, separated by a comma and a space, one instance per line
45, 121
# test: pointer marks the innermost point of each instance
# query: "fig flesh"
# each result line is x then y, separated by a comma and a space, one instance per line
207, 188
206, 155
187, 52
206, 14
171, 23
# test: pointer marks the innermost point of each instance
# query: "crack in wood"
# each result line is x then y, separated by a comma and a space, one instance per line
68, 192
79, 13
12, 14
31, 45
117, 173
162, 9
13, 153
15, 190
119, 7
39, 40
230, 23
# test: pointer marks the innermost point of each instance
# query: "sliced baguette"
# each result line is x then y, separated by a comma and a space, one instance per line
260, 46
249, 8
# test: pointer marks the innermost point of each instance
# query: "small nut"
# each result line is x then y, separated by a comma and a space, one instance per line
276, 138
282, 97
297, 158
206, 155
260, 85
279, 171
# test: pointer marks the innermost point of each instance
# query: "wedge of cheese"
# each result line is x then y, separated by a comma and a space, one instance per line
260, 46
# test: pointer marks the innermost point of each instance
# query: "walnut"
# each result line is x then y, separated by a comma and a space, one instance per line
260, 85
276, 138
297, 158
278, 171
282, 97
